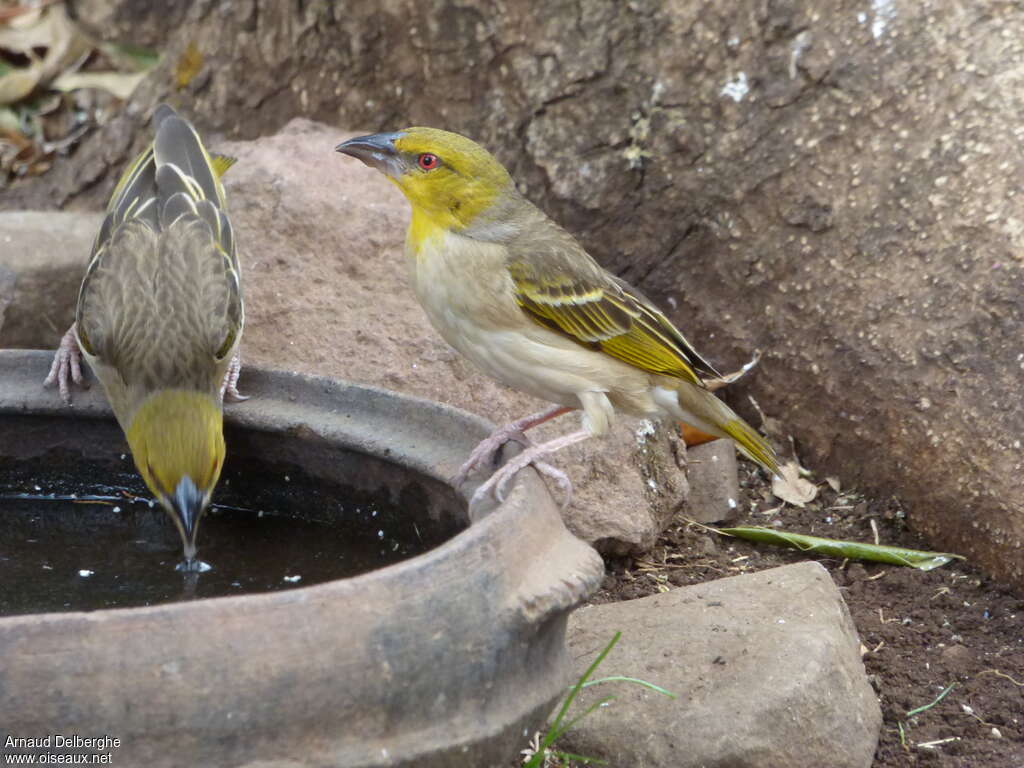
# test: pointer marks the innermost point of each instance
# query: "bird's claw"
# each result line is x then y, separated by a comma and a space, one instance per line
487, 449
497, 484
229, 387
66, 367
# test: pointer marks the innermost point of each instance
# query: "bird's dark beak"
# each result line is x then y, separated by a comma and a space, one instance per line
187, 505
377, 151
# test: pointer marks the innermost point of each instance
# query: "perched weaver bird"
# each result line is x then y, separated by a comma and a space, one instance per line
517, 294
160, 317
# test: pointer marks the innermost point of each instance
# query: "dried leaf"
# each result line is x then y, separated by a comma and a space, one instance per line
120, 84
18, 82
791, 487
188, 66
26, 32
48, 28
9, 122
833, 483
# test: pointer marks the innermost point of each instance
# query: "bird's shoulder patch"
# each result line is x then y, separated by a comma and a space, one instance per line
570, 293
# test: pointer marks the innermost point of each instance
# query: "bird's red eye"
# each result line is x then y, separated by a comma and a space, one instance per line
428, 162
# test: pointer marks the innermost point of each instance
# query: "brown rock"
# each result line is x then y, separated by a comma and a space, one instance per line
957, 656
766, 667
714, 482
326, 292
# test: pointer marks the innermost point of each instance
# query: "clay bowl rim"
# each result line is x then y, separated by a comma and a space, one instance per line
22, 394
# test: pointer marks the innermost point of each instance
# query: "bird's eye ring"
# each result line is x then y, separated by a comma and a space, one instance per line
428, 161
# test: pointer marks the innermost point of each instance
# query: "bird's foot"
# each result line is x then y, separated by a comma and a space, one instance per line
229, 387
67, 366
486, 451
497, 484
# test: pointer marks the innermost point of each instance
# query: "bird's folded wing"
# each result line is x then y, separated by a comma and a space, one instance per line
579, 299
165, 254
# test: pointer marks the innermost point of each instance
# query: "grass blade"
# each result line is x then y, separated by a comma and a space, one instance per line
938, 698
636, 680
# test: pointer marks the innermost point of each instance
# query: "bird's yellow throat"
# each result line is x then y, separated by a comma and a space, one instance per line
423, 228
443, 201
174, 434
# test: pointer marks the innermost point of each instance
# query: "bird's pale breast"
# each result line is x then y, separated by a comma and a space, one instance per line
466, 291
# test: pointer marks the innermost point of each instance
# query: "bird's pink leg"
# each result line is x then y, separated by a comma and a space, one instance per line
229, 387
484, 453
498, 482
67, 366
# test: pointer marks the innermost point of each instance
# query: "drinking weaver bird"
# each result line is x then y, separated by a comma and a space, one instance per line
517, 294
159, 319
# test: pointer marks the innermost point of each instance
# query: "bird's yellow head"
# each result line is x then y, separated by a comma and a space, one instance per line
177, 441
449, 180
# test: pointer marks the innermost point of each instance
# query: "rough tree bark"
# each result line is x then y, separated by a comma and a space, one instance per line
834, 182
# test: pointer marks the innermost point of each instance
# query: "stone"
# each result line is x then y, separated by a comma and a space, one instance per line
7, 282
714, 482
47, 252
766, 667
322, 240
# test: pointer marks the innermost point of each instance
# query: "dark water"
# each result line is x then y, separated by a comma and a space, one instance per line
290, 531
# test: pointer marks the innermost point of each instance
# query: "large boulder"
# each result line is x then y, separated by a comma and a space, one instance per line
834, 184
327, 292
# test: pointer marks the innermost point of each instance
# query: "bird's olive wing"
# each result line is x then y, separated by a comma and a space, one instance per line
600, 311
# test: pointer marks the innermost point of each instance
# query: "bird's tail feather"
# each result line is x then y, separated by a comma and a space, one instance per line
177, 144
699, 407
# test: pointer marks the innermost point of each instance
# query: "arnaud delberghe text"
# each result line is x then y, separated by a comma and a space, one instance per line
60, 741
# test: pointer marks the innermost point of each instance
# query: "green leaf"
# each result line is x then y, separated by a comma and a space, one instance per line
854, 550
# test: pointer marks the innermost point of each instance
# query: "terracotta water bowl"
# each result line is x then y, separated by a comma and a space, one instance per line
448, 658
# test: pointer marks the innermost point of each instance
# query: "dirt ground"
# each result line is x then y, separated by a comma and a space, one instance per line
921, 631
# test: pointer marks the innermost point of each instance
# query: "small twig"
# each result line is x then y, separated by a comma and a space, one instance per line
937, 742
708, 528
757, 408
999, 674
107, 500
926, 707
970, 713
